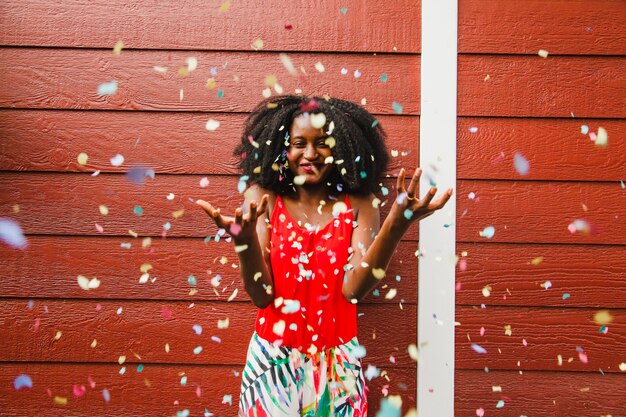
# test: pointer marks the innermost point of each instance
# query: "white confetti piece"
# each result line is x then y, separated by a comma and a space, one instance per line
521, 164
319, 67
257, 44
204, 182
543, 53
11, 234
160, 70
192, 63
602, 137
473, 129
286, 61
107, 89
318, 120
488, 232
223, 324
299, 179
88, 284
212, 124
117, 160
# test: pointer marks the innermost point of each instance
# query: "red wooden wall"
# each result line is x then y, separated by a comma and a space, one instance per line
127, 348
529, 294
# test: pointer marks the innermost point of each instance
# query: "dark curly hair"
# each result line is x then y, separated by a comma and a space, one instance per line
359, 153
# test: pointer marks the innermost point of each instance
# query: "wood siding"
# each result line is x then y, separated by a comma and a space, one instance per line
529, 296
54, 57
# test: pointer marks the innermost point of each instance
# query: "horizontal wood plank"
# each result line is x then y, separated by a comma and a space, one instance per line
140, 330
49, 267
297, 25
168, 142
547, 332
541, 212
558, 394
554, 148
573, 27
156, 390
43, 78
44, 207
541, 275
524, 86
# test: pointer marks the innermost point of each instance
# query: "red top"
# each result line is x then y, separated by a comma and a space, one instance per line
307, 266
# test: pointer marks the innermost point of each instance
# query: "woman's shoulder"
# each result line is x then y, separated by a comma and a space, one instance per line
366, 203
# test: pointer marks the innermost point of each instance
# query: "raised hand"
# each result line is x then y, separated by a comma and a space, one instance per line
241, 227
408, 207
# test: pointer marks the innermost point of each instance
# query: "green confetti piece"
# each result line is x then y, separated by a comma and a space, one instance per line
138, 210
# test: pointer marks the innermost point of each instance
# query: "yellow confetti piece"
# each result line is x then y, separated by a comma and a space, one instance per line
58, 335
223, 324
233, 295
602, 317
602, 138
167, 348
413, 352
145, 268
378, 273
622, 366
82, 158
117, 49
257, 44
330, 142
146, 242
211, 84
537, 260
183, 71
240, 248
94, 343
132, 233
104, 210
178, 213
60, 400
507, 330
270, 80
223, 260
88, 284
121, 359
224, 7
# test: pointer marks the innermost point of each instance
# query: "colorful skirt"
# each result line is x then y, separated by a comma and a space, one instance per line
278, 381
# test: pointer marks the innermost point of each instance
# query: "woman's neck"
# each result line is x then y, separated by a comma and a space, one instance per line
311, 196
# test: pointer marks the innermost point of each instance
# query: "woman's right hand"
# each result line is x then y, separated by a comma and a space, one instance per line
241, 227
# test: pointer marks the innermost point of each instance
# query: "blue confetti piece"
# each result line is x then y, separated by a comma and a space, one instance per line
125, 245
167, 226
566, 296
213, 70
408, 214
398, 278
107, 89
197, 328
376, 293
140, 368
11, 234
383, 78
22, 381
363, 174
197, 350
138, 210
122, 370
183, 413
500, 404
488, 232
228, 399
293, 326
183, 380
521, 164
384, 190
359, 351
388, 409
106, 395
344, 10
220, 93
137, 175
375, 123
397, 107
584, 129
192, 280
478, 348
216, 339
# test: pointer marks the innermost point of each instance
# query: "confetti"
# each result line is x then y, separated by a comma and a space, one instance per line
390, 406
397, 107
543, 53
378, 273
212, 124
478, 348
106, 396
622, 366
197, 329
228, 399
603, 317
88, 284
488, 232
584, 129
318, 120
500, 404
224, 7
521, 164
11, 233
117, 49
104, 210
319, 67
473, 129
223, 324
192, 63
344, 71
480, 412
22, 381
602, 138
137, 174
82, 158
60, 400
299, 179
546, 285
107, 89
372, 372
579, 226
357, 74
286, 61
391, 294
117, 160
182, 413
413, 352
257, 44
344, 10
197, 350
384, 78
138, 210
566, 296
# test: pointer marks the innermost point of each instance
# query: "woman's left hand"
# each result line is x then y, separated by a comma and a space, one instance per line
408, 207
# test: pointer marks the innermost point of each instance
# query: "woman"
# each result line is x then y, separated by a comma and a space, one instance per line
310, 247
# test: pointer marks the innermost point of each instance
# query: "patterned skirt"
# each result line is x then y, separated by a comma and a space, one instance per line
278, 381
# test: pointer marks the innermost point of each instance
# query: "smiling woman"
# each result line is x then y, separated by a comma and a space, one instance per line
313, 247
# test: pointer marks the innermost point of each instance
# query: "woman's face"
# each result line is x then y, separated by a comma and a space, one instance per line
307, 151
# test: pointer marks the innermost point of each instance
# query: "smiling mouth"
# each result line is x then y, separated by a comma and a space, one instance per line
308, 167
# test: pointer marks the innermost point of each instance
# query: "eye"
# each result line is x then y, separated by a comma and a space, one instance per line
298, 144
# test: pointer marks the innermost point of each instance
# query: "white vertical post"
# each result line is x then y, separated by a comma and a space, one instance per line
437, 237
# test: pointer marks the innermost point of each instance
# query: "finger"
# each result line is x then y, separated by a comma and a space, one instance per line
400, 181
425, 201
441, 201
412, 189
253, 211
263, 205
207, 207
238, 215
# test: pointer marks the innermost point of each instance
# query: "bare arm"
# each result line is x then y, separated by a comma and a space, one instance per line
251, 237
372, 254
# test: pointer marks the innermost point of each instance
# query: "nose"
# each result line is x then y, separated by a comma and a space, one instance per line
310, 152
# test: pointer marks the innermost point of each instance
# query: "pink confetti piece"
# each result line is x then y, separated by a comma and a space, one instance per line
79, 390
480, 412
99, 228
